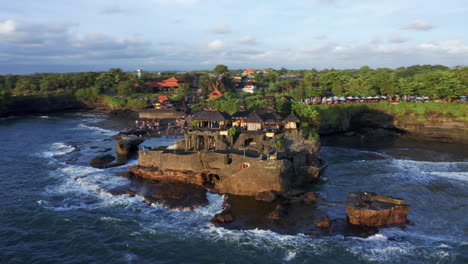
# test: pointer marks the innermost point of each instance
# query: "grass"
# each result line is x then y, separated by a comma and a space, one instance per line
424, 110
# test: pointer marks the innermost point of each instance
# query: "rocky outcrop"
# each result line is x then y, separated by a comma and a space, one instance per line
128, 145
434, 128
184, 176
371, 209
102, 161
179, 196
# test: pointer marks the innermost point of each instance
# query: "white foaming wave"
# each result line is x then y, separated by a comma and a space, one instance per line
99, 130
460, 176
290, 256
426, 171
7, 118
352, 152
58, 149
380, 249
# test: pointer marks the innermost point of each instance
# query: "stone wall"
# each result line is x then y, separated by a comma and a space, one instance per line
207, 140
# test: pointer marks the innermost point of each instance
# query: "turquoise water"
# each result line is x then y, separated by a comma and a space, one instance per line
57, 209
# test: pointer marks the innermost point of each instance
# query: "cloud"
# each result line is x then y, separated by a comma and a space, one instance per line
320, 37
316, 49
248, 40
183, 3
55, 44
26, 34
327, 2
418, 25
397, 39
114, 10
375, 40
7, 27
215, 45
166, 43
223, 29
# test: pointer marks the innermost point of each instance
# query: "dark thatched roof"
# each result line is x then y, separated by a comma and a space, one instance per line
292, 118
253, 117
240, 114
269, 114
210, 115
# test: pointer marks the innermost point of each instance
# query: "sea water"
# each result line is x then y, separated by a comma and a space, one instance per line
55, 208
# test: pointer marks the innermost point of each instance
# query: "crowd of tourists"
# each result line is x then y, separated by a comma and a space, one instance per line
317, 100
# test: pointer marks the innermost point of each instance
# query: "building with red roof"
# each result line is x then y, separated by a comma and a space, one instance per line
249, 73
215, 94
167, 85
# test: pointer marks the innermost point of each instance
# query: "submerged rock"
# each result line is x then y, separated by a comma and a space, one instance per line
323, 222
223, 217
102, 161
179, 196
123, 192
371, 209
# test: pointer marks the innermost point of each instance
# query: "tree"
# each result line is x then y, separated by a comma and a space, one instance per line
23, 85
125, 88
184, 90
334, 82
448, 86
207, 84
107, 81
220, 69
358, 87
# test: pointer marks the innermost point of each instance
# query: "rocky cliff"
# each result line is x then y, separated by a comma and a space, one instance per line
434, 127
23, 105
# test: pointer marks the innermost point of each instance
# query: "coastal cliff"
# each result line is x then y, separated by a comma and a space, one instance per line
41, 104
431, 125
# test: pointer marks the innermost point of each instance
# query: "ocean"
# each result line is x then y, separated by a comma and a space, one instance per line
55, 208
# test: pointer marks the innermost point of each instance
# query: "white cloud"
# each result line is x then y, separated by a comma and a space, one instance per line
223, 29
113, 10
7, 27
449, 47
316, 49
327, 2
375, 40
215, 45
248, 40
184, 3
320, 37
398, 39
418, 25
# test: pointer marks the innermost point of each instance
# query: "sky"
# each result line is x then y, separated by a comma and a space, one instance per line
182, 35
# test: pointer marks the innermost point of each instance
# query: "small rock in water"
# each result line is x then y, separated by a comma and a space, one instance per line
102, 161
323, 222
310, 197
105, 150
223, 217
126, 174
122, 192
371, 209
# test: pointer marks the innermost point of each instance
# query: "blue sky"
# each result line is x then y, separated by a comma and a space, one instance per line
157, 35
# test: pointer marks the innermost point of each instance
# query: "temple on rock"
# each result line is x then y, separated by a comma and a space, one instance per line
244, 154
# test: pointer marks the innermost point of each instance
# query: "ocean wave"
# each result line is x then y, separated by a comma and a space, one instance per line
7, 118
98, 130
427, 171
57, 149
